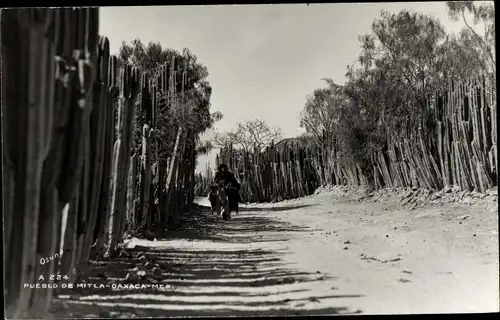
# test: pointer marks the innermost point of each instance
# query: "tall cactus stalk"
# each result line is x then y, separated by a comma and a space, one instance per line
68, 259
146, 176
132, 184
76, 157
130, 95
83, 204
97, 140
114, 193
168, 185
24, 147
103, 213
121, 156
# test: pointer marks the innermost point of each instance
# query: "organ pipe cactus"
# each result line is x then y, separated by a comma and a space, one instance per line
130, 96
132, 184
121, 154
104, 207
98, 124
146, 176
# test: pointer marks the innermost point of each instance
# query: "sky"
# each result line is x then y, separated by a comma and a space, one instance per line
263, 60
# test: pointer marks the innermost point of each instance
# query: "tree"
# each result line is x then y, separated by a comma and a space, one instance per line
204, 147
255, 133
408, 56
405, 47
321, 113
481, 48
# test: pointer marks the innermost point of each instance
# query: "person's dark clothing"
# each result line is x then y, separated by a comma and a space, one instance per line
229, 181
234, 198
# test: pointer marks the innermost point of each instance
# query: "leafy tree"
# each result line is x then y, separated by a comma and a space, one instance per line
406, 57
204, 147
409, 56
404, 47
249, 134
475, 48
320, 115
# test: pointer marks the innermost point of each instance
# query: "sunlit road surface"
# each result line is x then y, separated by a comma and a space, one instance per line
308, 256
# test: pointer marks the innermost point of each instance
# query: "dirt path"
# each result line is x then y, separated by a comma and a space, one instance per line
323, 254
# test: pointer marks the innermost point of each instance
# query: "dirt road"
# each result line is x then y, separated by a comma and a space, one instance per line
324, 254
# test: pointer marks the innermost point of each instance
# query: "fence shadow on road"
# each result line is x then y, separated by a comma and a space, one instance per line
200, 225
275, 209
217, 274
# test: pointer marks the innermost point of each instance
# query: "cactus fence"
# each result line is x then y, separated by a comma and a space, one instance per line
452, 142
69, 175
203, 181
284, 171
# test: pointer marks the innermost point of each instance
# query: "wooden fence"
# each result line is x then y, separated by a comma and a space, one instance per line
69, 178
453, 141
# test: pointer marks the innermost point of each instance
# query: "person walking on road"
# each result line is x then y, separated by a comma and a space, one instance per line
228, 180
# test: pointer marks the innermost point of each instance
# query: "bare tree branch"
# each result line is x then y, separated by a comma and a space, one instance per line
250, 133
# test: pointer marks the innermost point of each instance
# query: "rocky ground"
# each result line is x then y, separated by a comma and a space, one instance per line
339, 251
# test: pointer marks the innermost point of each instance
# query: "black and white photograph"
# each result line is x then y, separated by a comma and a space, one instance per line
249, 160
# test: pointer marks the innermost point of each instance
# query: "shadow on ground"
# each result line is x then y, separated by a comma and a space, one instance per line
219, 274
274, 209
200, 225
